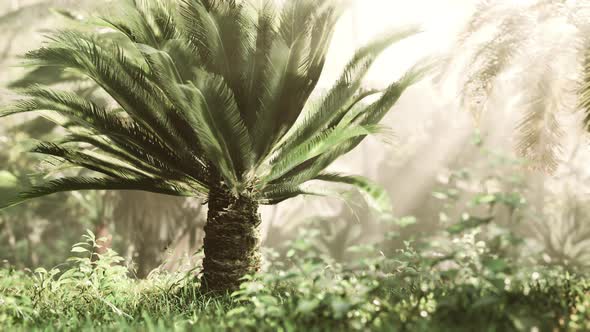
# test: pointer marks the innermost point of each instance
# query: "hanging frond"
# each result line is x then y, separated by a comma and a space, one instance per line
528, 47
113, 168
539, 131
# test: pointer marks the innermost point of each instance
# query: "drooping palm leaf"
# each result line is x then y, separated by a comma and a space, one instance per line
526, 47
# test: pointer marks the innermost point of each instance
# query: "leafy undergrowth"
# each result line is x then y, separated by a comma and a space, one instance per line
473, 291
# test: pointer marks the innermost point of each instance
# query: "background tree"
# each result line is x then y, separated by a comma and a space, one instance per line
537, 49
212, 102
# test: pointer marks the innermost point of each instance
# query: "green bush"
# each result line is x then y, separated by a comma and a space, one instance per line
302, 290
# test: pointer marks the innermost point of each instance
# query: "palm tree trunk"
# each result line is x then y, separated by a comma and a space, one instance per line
232, 241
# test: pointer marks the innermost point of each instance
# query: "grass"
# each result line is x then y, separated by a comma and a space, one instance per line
302, 291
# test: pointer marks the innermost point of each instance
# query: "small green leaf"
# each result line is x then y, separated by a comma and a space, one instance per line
484, 199
340, 308
496, 265
406, 221
468, 223
486, 301
307, 306
79, 249
439, 195
236, 311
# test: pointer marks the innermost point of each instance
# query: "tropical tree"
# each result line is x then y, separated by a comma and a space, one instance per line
537, 53
212, 101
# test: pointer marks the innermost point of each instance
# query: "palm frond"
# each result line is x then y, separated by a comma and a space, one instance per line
219, 34
363, 116
325, 141
220, 104
146, 22
94, 183
523, 46
280, 193
539, 132
123, 133
584, 88
293, 79
341, 98
212, 137
136, 157
116, 73
113, 168
260, 65
492, 60
376, 196
44, 76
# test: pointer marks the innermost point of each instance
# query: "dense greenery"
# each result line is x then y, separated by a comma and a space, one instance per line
305, 291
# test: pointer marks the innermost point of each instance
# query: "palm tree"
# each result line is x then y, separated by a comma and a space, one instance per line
212, 101
536, 51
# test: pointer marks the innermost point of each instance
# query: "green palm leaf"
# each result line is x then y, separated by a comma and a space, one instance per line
88, 183
376, 196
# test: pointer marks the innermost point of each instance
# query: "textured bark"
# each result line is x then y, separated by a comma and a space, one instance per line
232, 241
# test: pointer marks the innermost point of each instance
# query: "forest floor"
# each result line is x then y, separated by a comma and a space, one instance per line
301, 291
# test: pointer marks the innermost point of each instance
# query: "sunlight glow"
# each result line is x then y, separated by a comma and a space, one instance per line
438, 19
